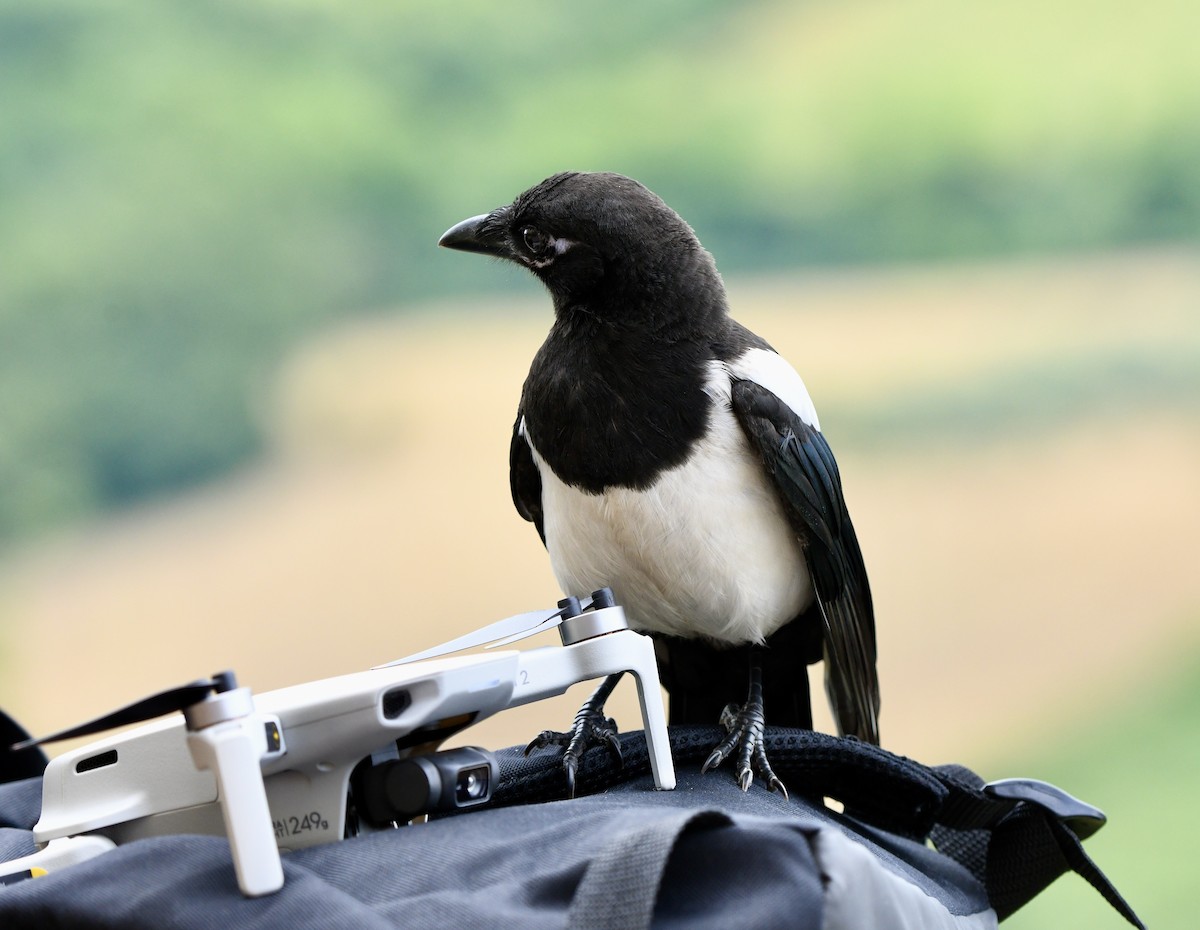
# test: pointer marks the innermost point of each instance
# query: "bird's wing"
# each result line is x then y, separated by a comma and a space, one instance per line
802, 467
524, 479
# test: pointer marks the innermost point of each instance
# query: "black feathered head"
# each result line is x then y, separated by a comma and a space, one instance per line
598, 240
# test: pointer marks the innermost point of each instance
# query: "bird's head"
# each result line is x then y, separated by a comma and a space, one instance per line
597, 240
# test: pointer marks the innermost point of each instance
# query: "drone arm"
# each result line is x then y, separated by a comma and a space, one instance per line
56, 854
550, 670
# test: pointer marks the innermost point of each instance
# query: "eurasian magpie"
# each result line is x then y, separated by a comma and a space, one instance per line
666, 451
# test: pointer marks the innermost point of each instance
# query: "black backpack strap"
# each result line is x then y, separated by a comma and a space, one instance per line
620, 887
1017, 836
889, 791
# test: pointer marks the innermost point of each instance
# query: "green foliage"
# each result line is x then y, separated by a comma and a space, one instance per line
188, 188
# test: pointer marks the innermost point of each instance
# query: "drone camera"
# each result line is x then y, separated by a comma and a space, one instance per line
400, 790
473, 785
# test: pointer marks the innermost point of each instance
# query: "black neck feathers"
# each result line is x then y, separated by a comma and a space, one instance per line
615, 402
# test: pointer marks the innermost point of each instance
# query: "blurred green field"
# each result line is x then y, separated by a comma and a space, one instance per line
190, 190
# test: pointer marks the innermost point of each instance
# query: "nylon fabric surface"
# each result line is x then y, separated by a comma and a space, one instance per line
748, 863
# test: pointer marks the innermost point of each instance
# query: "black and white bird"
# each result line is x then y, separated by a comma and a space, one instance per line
664, 450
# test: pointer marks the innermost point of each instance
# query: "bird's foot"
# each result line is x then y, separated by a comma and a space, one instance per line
590, 728
744, 729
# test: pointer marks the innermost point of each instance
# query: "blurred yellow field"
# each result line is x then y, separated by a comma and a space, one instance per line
1017, 577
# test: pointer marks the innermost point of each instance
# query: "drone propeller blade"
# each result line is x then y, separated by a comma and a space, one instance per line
550, 624
505, 630
156, 705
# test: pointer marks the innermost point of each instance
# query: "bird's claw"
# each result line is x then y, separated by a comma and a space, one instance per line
589, 729
744, 730
715, 758
570, 766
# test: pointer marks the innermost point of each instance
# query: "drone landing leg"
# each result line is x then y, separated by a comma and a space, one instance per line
233, 751
548, 671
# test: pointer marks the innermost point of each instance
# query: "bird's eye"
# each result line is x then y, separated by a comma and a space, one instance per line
535, 240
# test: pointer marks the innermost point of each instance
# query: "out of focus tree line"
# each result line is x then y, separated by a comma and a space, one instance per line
186, 189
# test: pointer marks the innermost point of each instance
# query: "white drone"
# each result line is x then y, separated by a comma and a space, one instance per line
274, 771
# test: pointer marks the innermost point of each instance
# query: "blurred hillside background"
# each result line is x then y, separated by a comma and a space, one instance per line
250, 416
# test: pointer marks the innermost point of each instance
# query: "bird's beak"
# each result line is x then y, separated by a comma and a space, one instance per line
474, 235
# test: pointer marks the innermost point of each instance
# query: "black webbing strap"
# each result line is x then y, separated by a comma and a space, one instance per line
889, 791
633, 862
1017, 837
1081, 863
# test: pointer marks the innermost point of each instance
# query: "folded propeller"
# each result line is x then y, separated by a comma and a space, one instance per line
179, 699
172, 700
511, 629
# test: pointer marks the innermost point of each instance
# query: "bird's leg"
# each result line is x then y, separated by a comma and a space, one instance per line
744, 726
590, 728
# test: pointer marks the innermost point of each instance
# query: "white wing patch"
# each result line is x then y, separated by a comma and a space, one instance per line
773, 372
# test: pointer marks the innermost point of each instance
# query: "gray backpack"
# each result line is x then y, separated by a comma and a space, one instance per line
913, 846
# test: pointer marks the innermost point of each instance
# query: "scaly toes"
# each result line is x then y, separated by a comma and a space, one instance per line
744, 732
